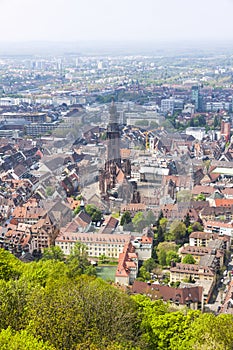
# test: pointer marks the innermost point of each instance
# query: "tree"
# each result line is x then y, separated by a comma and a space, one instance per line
159, 218
149, 264
53, 253
187, 220
23, 340
150, 218
86, 310
177, 230
163, 249
188, 259
10, 266
77, 209
200, 197
49, 191
144, 275
171, 256
77, 261
210, 332
162, 256
126, 218
139, 221
163, 224
94, 212
196, 226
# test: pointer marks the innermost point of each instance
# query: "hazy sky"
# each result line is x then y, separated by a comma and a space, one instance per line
74, 20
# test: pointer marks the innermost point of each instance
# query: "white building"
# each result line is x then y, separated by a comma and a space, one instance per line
110, 245
197, 133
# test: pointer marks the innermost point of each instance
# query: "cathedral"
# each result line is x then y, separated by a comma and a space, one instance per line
115, 178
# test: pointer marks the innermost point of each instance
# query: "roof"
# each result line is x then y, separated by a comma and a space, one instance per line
178, 295
192, 269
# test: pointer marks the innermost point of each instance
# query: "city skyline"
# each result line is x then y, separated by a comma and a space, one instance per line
129, 20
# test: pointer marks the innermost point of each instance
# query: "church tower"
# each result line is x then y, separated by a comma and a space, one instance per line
113, 178
113, 138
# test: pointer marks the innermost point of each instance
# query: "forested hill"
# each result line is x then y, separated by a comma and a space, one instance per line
48, 305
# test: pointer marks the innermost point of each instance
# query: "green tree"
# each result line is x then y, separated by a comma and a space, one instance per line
187, 220
94, 212
85, 310
163, 224
77, 209
77, 261
144, 275
196, 226
22, 340
200, 197
126, 218
162, 249
188, 259
53, 253
10, 266
171, 256
150, 218
139, 221
162, 257
177, 230
149, 264
159, 218
49, 191
209, 332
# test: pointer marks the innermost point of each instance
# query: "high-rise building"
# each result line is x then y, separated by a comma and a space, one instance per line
196, 97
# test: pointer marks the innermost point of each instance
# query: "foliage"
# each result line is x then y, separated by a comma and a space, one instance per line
126, 218
188, 259
50, 304
172, 256
49, 191
149, 264
150, 218
88, 310
196, 226
200, 197
9, 266
23, 340
144, 275
94, 212
177, 230
209, 332
53, 253
77, 261
166, 252
139, 221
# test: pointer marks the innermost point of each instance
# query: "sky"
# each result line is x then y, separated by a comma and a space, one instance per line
120, 20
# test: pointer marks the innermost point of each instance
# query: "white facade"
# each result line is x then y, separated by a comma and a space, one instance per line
197, 133
110, 245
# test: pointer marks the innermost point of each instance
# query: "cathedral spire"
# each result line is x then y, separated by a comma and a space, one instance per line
113, 113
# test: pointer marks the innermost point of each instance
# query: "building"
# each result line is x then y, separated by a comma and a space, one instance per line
200, 275
196, 132
196, 97
226, 129
114, 177
127, 268
110, 245
219, 228
191, 296
202, 239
